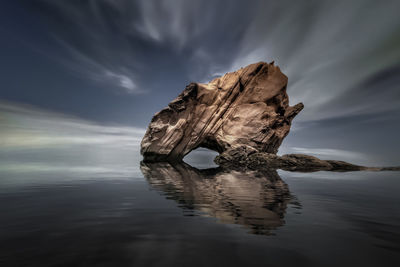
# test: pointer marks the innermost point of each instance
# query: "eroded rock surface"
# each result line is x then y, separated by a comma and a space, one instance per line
247, 107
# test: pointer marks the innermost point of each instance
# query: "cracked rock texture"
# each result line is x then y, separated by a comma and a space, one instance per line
247, 107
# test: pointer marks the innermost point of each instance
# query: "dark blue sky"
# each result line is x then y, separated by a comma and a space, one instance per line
119, 62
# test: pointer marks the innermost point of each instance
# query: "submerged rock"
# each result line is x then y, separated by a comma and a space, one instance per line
248, 107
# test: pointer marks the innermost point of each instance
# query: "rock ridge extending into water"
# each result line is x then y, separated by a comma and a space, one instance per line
247, 157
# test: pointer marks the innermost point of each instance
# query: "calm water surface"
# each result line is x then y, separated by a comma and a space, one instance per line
97, 206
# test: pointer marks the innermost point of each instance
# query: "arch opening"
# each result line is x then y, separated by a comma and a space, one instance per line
201, 158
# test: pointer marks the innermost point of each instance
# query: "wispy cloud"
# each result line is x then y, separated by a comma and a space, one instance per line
328, 49
51, 146
123, 81
31, 128
328, 152
114, 75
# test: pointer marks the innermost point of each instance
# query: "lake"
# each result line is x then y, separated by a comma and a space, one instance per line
97, 205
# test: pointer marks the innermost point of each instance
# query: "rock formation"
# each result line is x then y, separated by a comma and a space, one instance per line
248, 107
244, 157
243, 115
241, 157
256, 200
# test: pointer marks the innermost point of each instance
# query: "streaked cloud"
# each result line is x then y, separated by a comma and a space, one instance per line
328, 153
40, 146
123, 81
328, 49
29, 127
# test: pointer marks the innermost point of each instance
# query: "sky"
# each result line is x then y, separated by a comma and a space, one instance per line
113, 64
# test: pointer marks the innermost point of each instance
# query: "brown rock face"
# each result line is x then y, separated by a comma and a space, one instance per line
248, 107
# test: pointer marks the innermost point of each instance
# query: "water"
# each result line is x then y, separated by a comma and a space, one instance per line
110, 211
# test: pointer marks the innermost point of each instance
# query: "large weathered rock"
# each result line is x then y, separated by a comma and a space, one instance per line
247, 107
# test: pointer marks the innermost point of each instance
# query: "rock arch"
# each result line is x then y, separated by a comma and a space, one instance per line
249, 107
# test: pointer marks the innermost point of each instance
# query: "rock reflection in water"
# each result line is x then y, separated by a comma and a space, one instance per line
254, 199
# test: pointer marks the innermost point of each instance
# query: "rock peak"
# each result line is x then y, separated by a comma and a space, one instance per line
248, 107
